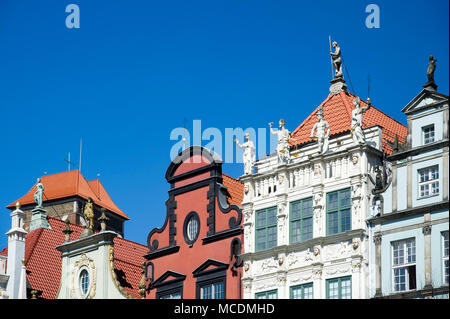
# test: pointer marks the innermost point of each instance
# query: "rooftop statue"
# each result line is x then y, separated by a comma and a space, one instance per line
320, 135
336, 56
88, 213
430, 73
249, 156
283, 141
356, 131
39, 193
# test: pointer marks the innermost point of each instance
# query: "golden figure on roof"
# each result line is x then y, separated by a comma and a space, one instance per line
88, 213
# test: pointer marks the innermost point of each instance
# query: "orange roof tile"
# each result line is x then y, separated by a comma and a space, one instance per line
68, 184
338, 113
43, 261
235, 189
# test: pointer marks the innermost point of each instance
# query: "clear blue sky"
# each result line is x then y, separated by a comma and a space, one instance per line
135, 70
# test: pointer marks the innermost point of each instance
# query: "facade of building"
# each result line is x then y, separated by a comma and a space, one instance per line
66, 194
305, 210
58, 259
195, 254
409, 229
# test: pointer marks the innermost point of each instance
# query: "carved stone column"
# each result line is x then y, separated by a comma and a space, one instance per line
319, 220
427, 257
282, 230
377, 241
247, 285
356, 277
248, 227
317, 281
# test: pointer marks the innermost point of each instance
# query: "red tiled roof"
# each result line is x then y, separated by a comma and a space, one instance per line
338, 113
68, 184
43, 261
235, 189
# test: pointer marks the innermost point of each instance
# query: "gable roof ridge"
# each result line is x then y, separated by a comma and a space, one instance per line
347, 105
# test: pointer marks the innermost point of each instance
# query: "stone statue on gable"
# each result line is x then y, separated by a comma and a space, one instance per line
318, 131
283, 141
249, 156
39, 193
356, 131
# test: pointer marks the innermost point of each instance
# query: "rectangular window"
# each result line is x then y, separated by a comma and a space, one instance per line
213, 291
304, 291
428, 134
301, 220
404, 264
271, 294
428, 181
445, 256
339, 288
266, 228
339, 206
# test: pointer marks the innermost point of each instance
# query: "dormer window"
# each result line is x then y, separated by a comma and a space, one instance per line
428, 134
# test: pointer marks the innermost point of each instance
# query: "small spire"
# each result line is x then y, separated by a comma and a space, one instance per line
368, 101
103, 219
67, 231
18, 205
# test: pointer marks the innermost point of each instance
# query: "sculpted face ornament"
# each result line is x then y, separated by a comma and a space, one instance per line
316, 251
355, 243
355, 158
246, 189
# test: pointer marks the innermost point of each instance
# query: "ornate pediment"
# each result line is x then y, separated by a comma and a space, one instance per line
425, 99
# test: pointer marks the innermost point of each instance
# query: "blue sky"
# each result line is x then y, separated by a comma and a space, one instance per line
135, 70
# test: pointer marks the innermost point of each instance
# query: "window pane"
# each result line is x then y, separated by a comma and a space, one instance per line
332, 201
219, 291
308, 292
345, 220
206, 292
346, 291
260, 239
272, 237
272, 216
295, 231
445, 237
307, 208
296, 210
260, 218
333, 289
333, 223
307, 228
399, 279
345, 198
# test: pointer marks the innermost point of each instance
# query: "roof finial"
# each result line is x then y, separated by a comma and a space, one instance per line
103, 219
67, 231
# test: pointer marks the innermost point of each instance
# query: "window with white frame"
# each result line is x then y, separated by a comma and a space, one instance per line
445, 256
404, 265
429, 181
428, 134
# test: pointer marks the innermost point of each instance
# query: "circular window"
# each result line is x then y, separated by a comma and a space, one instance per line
84, 282
191, 228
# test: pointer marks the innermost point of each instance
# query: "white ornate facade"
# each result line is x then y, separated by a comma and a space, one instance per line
329, 258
